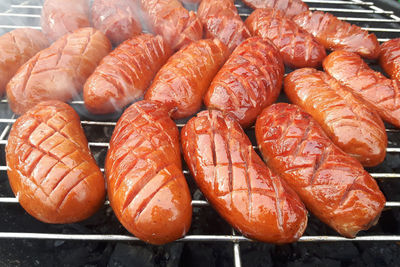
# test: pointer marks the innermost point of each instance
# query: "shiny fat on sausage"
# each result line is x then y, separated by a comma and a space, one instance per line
389, 58
289, 7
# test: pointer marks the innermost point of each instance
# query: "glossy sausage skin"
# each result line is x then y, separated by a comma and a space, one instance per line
117, 19
249, 81
378, 91
237, 183
60, 17
124, 74
289, 7
58, 72
348, 121
335, 34
50, 168
298, 48
146, 186
184, 79
17, 47
332, 185
389, 58
221, 20
172, 21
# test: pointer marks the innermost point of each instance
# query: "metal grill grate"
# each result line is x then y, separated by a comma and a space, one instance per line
27, 14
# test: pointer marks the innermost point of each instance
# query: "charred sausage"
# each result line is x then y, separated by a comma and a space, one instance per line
237, 183
289, 7
389, 58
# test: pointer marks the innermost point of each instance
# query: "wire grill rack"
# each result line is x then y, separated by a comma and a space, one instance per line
384, 23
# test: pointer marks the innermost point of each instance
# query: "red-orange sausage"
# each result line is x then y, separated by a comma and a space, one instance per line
333, 185
298, 48
237, 183
289, 7
249, 81
389, 58
146, 186
50, 168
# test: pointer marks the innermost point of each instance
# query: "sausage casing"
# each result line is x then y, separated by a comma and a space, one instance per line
332, 185
50, 168
237, 183
250, 80
289, 7
124, 74
389, 58
146, 186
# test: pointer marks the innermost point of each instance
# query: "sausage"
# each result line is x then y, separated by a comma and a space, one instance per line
298, 48
172, 21
117, 19
335, 34
146, 186
233, 178
348, 121
50, 168
182, 82
221, 20
332, 185
289, 7
249, 81
17, 47
59, 71
124, 74
389, 58
60, 17
378, 91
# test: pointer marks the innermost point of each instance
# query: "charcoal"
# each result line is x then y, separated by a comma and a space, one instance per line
207, 254
126, 255
342, 251
315, 262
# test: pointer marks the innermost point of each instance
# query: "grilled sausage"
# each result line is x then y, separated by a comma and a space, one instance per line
298, 48
249, 81
351, 125
184, 79
17, 47
237, 183
50, 168
60, 17
378, 91
125, 73
146, 186
332, 185
172, 21
221, 20
289, 7
336, 34
389, 58
57, 72
117, 19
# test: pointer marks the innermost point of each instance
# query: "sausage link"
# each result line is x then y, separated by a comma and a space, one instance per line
184, 79
289, 7
348, 121
298, 48
58, 72
249, 81
146, 186
333, 185
125, 73
50, 168
389, 58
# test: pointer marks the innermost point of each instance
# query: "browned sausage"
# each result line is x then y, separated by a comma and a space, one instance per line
146, 186
184, 79
333, 185
50, 168
289, 7
389, 58
249, 81
125, 73
17, 47
58, 72
348, 121
237, 183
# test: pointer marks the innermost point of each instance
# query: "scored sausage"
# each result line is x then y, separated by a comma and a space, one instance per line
17, 47
124, 74
348, 121
237, 183
59, 71
249, 81
50, 168
333, 185
336, 34
298, 48
184, 79
289, 7
389, 58
146, 186
378, 91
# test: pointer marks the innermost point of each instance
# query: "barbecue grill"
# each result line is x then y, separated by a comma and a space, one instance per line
207, 227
